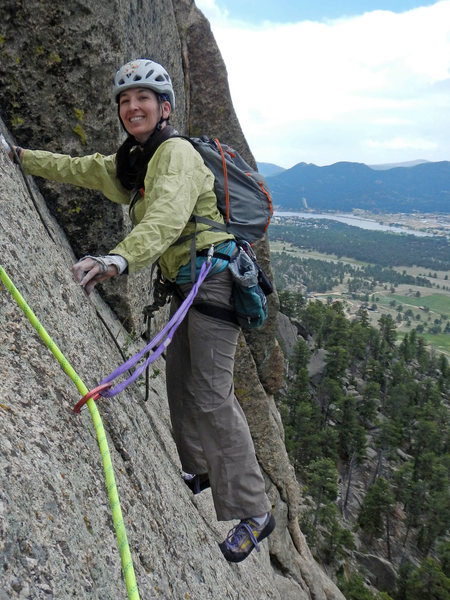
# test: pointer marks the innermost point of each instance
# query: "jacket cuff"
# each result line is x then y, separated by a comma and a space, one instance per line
117, 260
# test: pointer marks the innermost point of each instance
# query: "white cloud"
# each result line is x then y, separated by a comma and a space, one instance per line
399, 143
367, 74
212, 12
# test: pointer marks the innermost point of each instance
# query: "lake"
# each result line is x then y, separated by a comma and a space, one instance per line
351, 220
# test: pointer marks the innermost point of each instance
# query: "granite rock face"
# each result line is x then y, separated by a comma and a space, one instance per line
56, 533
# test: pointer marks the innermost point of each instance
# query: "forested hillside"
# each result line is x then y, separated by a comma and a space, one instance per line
404, 276
366, 402
321, 276
369, 441
381, 248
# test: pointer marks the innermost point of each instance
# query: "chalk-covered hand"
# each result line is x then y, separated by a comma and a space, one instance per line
5, 145
91, 270
14, 152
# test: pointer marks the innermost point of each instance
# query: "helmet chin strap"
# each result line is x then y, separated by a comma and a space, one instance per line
161, 123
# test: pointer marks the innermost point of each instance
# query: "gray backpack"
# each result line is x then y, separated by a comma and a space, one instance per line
243, 196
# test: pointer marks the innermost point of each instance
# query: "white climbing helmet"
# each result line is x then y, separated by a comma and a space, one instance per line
146, 73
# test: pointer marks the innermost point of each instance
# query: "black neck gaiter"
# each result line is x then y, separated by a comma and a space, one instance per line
132, 158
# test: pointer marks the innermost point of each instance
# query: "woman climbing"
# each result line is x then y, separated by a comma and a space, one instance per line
164, 180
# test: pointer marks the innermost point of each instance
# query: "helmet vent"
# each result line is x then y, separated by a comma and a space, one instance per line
144, 73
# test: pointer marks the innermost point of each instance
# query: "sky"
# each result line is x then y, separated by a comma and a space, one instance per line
329, 81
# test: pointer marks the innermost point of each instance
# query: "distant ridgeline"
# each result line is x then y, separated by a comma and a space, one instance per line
345, 186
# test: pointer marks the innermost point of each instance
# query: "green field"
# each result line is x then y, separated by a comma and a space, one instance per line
435, 300
440, 342
438, 303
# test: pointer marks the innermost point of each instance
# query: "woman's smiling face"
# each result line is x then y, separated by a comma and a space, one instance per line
141, 111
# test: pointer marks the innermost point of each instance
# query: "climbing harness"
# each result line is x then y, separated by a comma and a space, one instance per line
121, 535
159, 344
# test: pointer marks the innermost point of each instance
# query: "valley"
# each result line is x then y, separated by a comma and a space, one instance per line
423, 305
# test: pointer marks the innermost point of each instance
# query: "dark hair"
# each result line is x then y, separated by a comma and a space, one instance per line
131, 164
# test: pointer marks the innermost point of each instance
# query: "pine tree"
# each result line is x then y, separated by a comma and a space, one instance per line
291, 303
376, 506
426, 581
336, 540
329, 395
443, 551
337, 362
387, 330
367, 407
322, 483
313, 318
352, 437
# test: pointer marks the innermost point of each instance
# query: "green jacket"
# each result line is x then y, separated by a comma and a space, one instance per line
177, 185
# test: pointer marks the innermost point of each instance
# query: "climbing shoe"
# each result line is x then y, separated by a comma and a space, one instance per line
244, 537
196, 483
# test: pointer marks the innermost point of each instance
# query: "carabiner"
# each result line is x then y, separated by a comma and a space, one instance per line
94, 394
210, 254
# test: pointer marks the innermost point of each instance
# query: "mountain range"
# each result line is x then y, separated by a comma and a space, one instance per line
419, 186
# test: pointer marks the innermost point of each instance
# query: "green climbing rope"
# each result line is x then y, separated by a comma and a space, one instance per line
121, 535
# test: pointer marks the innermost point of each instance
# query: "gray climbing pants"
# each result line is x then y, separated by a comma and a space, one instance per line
209, 426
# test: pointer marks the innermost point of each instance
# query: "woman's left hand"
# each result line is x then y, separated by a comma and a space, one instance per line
91, 270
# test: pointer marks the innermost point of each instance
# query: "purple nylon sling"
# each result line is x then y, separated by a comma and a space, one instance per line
163, 338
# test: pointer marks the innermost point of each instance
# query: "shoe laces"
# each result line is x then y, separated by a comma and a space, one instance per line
237, 534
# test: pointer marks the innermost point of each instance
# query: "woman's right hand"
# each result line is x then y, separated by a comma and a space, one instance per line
9, 149
6, 147
91, 270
